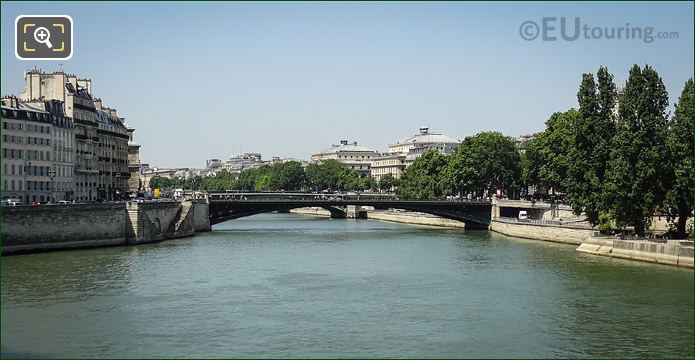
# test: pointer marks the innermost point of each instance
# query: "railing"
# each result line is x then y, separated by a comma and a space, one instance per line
660, 240
293, 197
576, 224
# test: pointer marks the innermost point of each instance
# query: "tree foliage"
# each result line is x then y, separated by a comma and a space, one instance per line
484, 162
422, 179
548, 157
637, 173
388, 182
679, 140
592, 134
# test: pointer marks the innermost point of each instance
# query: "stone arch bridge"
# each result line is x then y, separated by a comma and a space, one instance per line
225, 206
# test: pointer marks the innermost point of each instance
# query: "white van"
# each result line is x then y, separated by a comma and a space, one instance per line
12, 202
523, 215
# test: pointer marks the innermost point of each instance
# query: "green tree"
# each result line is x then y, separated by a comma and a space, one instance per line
592, 131
387, 182
160, 182
547, 158
484, 162
287, 176
367, 183
422, 179
330, 175
679, 198
637, 173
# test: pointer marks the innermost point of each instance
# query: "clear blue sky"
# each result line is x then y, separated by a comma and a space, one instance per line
203, 80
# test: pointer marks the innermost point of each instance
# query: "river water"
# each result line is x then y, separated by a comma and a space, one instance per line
280, 285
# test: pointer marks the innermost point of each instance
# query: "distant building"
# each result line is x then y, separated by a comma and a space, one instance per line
393, 164
426, 140
522, 141
213, 164
356, 157
279, 160
403, 152
238, 163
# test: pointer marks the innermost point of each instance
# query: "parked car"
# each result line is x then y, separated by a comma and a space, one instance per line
63, 202
11, 202
523, 215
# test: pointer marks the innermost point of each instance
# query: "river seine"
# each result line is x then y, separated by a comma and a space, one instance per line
280, 285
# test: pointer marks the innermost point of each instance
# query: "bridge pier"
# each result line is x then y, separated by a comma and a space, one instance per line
356, 212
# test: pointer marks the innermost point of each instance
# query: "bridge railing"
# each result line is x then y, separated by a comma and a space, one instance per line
579, 224
293, 197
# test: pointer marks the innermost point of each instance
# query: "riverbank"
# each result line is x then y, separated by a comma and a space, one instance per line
566, 234
392, 216
672, 252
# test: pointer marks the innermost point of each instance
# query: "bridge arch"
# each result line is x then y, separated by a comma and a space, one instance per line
476, 215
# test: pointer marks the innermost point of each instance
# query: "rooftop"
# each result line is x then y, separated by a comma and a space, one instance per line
425, 137
346, 147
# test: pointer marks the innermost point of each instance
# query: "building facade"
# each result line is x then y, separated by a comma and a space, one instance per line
238, 163
393, 164
134, 181
421, 142
76, 95
403, 152
213, 164
355, 157
100, 149
112, 151
36, 151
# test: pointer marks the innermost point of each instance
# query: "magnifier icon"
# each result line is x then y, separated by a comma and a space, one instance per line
43, 36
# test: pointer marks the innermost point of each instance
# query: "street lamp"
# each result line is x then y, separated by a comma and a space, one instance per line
52, 175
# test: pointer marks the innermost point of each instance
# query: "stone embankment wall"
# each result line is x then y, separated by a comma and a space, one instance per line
673, 252
547, 232
415, 219
32, 228
55, 227
155, 221
311, 211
